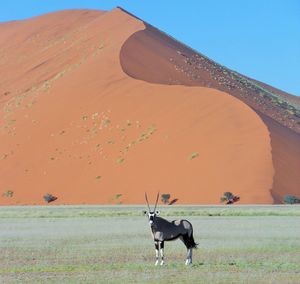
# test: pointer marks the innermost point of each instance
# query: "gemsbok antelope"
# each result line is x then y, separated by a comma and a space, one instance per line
163, 230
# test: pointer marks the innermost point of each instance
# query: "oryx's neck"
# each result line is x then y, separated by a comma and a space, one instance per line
159, 224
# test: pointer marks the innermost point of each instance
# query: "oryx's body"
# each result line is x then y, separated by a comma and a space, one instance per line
163, 230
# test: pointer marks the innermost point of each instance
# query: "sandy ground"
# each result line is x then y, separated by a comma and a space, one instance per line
75, 125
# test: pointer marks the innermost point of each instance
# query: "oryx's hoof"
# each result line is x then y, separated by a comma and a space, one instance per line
162, 262
188, 262
156, 263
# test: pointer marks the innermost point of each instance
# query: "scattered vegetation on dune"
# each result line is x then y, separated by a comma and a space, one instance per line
194, 155
120, 161
4, 156
281, 108
8, 193
49, 197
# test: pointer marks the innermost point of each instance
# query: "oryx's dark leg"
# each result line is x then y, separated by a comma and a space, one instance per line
186, 240
156, 252
161, 250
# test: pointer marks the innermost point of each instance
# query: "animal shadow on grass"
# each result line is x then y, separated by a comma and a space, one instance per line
197, 264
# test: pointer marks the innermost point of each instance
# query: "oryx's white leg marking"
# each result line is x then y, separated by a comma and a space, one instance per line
189, 257
156, 253
161, 249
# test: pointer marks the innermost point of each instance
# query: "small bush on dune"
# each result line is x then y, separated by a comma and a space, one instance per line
193, 155
8, 193
165, 198
49, 198
117, 198
229, 198
290, 199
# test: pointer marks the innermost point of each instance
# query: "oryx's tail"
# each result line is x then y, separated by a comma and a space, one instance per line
189, 241
192, 243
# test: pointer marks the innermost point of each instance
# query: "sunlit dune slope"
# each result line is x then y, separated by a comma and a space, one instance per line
75, 125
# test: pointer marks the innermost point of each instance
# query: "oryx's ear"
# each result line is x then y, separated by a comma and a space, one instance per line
144, 212
157, 213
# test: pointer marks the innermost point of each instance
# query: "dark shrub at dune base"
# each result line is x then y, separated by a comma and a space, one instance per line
290, 199
49, 198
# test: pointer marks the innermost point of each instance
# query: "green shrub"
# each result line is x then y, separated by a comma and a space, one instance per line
165, 198
229, 198
49, 198
290, 199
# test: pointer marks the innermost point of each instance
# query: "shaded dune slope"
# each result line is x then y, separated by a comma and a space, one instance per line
286, 159
172, 63
73, 124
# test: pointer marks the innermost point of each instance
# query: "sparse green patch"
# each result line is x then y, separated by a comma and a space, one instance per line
8, 193
4, 156
117, 199
98, 177
194, 155
120, 161
106, 121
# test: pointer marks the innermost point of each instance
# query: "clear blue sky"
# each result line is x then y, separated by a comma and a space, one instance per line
259, 38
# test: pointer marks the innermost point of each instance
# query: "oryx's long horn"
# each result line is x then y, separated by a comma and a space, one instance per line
147, 201
156, 202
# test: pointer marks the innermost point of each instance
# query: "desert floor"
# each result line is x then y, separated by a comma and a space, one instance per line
112, 244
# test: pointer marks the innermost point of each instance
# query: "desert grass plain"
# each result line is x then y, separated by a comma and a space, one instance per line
112, 244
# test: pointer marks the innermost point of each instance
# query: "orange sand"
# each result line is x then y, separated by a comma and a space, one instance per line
75, 125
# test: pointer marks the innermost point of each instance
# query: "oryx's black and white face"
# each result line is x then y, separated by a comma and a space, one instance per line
151, 216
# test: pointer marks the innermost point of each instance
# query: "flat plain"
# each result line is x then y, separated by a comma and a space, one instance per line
112, 244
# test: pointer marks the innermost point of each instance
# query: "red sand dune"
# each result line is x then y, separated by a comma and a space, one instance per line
95, 104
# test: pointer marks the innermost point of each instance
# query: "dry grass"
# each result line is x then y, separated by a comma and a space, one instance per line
67, 245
